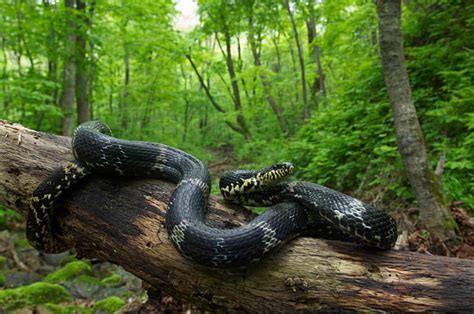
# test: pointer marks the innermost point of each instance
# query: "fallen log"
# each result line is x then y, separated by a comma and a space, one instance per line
122, 221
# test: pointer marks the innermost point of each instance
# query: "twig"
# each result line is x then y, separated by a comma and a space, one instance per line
17, 259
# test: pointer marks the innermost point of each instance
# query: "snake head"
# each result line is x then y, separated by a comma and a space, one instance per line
285, 168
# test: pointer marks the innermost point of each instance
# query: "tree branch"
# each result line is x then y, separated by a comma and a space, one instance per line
122, 221
204, 86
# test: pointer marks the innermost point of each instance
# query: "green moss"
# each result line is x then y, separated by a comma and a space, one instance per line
87, 286
2, 280
88, 280
3, 262
112, 280
34, 294
425, 234
58, 309
21, 243
108, 305
450, 224
70, 270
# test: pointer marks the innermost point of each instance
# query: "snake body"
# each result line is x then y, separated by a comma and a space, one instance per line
301, 207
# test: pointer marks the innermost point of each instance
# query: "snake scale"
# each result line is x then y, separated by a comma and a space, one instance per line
297, 207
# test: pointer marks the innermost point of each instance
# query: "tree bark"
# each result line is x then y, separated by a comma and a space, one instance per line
92, 60
82, 66
434, 212
276, 68
319, 81
69, 79
213, 101
235, 86
122, 221
306, 113
295, 70
52, 50
6, 100
126, 80
82, 97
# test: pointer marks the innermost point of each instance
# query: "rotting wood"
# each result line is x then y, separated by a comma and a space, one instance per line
121, 221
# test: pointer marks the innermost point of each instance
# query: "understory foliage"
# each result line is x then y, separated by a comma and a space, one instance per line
348, 144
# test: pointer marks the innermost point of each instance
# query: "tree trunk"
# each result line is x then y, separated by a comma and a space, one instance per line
277, 110
82, 97
235, 88
52, 51
186, 116
214, 103
69, 79
276, 68
250, 101
147, 116
21, 35
6, 101
92, 60
126, 80
295, 70
315, 53
434, 212
306, 113
122, 221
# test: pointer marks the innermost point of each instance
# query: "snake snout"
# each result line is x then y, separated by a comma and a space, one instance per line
286, 166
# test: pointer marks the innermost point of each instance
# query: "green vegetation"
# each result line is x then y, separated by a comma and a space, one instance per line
69, 271
231, 91
3, 262
109, 305
7, 215
348, 144
72, 309
34, 294
112, 280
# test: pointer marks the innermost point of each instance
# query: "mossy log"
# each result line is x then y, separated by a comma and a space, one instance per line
122, 221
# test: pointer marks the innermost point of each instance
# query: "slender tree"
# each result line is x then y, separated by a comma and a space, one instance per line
82, 97
306, 113
434, 211
319, 80
52, 47
206, 87
223, 24
69, 74
126, 81
276, 108
5, 75
227, 54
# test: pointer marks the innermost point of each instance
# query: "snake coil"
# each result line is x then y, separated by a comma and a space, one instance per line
301, 207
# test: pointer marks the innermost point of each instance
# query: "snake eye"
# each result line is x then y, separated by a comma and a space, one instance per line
291, 169
288, 167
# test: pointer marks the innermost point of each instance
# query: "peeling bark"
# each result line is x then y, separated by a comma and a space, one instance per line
122, 221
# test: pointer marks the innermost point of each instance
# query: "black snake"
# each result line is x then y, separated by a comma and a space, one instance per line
301, 207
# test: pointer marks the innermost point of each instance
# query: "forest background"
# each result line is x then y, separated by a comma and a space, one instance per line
259, 103
255, 82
